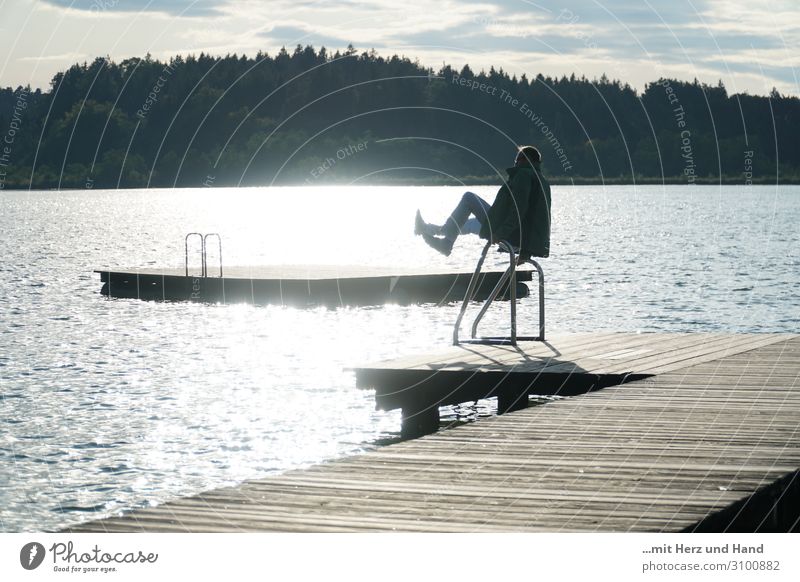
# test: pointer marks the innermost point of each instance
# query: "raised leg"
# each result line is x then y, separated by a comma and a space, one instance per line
470, 205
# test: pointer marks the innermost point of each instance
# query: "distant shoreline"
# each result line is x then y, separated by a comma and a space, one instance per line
593, 181
465, 181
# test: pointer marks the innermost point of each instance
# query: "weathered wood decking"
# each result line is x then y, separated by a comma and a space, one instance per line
711, 442
329, 285
564, 365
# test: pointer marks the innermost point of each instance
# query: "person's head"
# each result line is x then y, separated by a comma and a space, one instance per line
528, 156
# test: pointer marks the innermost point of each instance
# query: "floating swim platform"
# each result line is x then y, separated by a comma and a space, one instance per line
300, 285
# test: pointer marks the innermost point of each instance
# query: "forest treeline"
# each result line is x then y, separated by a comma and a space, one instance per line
312, 116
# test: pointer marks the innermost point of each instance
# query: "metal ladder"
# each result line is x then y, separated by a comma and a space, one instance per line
203, 255
509, 276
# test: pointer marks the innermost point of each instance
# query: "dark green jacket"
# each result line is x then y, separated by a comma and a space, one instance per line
521, 212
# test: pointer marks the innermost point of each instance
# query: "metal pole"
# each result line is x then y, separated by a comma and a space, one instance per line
509, 276
492, 296
219, 244
186, 248
512, 290
538, 268
470, 292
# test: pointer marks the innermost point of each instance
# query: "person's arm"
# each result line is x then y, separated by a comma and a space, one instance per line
520, 188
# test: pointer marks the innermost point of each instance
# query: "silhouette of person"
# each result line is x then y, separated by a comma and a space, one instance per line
519, 215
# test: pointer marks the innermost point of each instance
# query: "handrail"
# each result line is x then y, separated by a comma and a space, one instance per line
202, 252
203, 249
539, 270
470, 292
510, 277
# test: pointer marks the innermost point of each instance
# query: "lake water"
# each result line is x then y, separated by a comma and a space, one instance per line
113, 404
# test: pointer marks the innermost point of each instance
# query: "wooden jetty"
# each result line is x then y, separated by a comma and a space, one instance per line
709, 440
305, 285
563, 366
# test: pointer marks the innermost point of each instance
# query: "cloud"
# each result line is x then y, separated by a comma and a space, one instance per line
765, 65
633, 40
174, 7
596, 13
293, 35
68, 57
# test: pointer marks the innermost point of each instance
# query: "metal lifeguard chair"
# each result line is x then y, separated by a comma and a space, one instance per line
510, 277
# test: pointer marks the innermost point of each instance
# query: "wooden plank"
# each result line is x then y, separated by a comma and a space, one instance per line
476, 356
477, 352
535, 356
750, 344
467, 373
590, 358
675, 357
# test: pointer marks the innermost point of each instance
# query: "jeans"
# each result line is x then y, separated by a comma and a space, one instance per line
459, 221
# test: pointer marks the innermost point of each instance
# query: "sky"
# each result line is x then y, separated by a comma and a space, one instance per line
751, 45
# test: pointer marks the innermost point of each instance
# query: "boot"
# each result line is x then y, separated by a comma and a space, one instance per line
422, 227
443, 245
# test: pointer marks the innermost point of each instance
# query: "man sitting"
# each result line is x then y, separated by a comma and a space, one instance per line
520, 213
